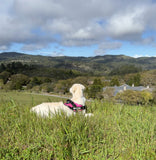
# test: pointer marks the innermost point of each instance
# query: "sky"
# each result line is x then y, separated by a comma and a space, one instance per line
78, 27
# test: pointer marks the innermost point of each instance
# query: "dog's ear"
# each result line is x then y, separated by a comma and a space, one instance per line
72, 89
83, 87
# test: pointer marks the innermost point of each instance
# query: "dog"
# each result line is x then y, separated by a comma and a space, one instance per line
72, 106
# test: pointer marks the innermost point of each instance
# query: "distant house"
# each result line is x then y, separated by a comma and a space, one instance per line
119, 89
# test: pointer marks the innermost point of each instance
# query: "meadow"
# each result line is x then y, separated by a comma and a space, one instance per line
116, 131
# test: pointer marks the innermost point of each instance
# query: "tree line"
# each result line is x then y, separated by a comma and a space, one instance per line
18, 76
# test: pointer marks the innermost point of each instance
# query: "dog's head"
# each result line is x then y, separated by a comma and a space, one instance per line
77, 92
77, 88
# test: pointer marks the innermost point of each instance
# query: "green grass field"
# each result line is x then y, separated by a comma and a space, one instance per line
116, 131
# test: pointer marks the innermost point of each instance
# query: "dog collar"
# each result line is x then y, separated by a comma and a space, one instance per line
74, 106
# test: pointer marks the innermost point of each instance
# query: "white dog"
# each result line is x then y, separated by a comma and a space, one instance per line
76, 104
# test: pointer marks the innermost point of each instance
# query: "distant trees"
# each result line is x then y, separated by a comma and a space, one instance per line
133, 79
2, 67
62, 86
47, 87
125, 69
15, 67
5, 76
16, 75
114, 81
95, 90
38, 71
17, 81
35, 81
148, 78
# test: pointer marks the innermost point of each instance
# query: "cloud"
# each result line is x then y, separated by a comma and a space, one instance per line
126, 25
137, 56
75, 23
31, 47
56, 54
3, 47
107, 46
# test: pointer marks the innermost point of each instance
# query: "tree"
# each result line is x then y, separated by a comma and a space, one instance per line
18, 81
137, 79
97, 81
35, 81
2, 67
125, 69
95, 90
134, 79
5, 76
114, 81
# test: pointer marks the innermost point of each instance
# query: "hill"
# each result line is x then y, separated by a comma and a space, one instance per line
102, 65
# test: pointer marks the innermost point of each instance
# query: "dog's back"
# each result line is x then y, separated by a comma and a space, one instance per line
49, 109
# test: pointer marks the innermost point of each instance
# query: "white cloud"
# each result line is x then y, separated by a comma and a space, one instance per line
56, 54
137, 56
3, 47
31, 47
127, 25
106, 46
75, 23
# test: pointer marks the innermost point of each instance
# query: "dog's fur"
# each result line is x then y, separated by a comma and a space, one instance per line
49, 109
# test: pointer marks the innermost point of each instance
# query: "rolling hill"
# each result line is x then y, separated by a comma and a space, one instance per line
102, 65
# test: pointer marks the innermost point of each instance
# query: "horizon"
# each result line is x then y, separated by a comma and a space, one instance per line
79, 29
77, 56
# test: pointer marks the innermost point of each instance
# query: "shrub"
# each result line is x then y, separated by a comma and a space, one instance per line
135, 97
36, 89
108, 93
154, 96
146, 97
62, 86
47, 87
1, 83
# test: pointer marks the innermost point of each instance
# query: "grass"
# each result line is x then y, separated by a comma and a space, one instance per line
25, 98
115, 132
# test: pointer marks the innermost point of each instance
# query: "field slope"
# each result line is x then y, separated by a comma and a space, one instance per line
115, 132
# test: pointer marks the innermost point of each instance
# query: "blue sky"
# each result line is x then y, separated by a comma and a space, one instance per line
78, 28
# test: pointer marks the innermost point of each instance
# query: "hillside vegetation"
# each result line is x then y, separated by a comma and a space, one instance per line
57, 74
101, 65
